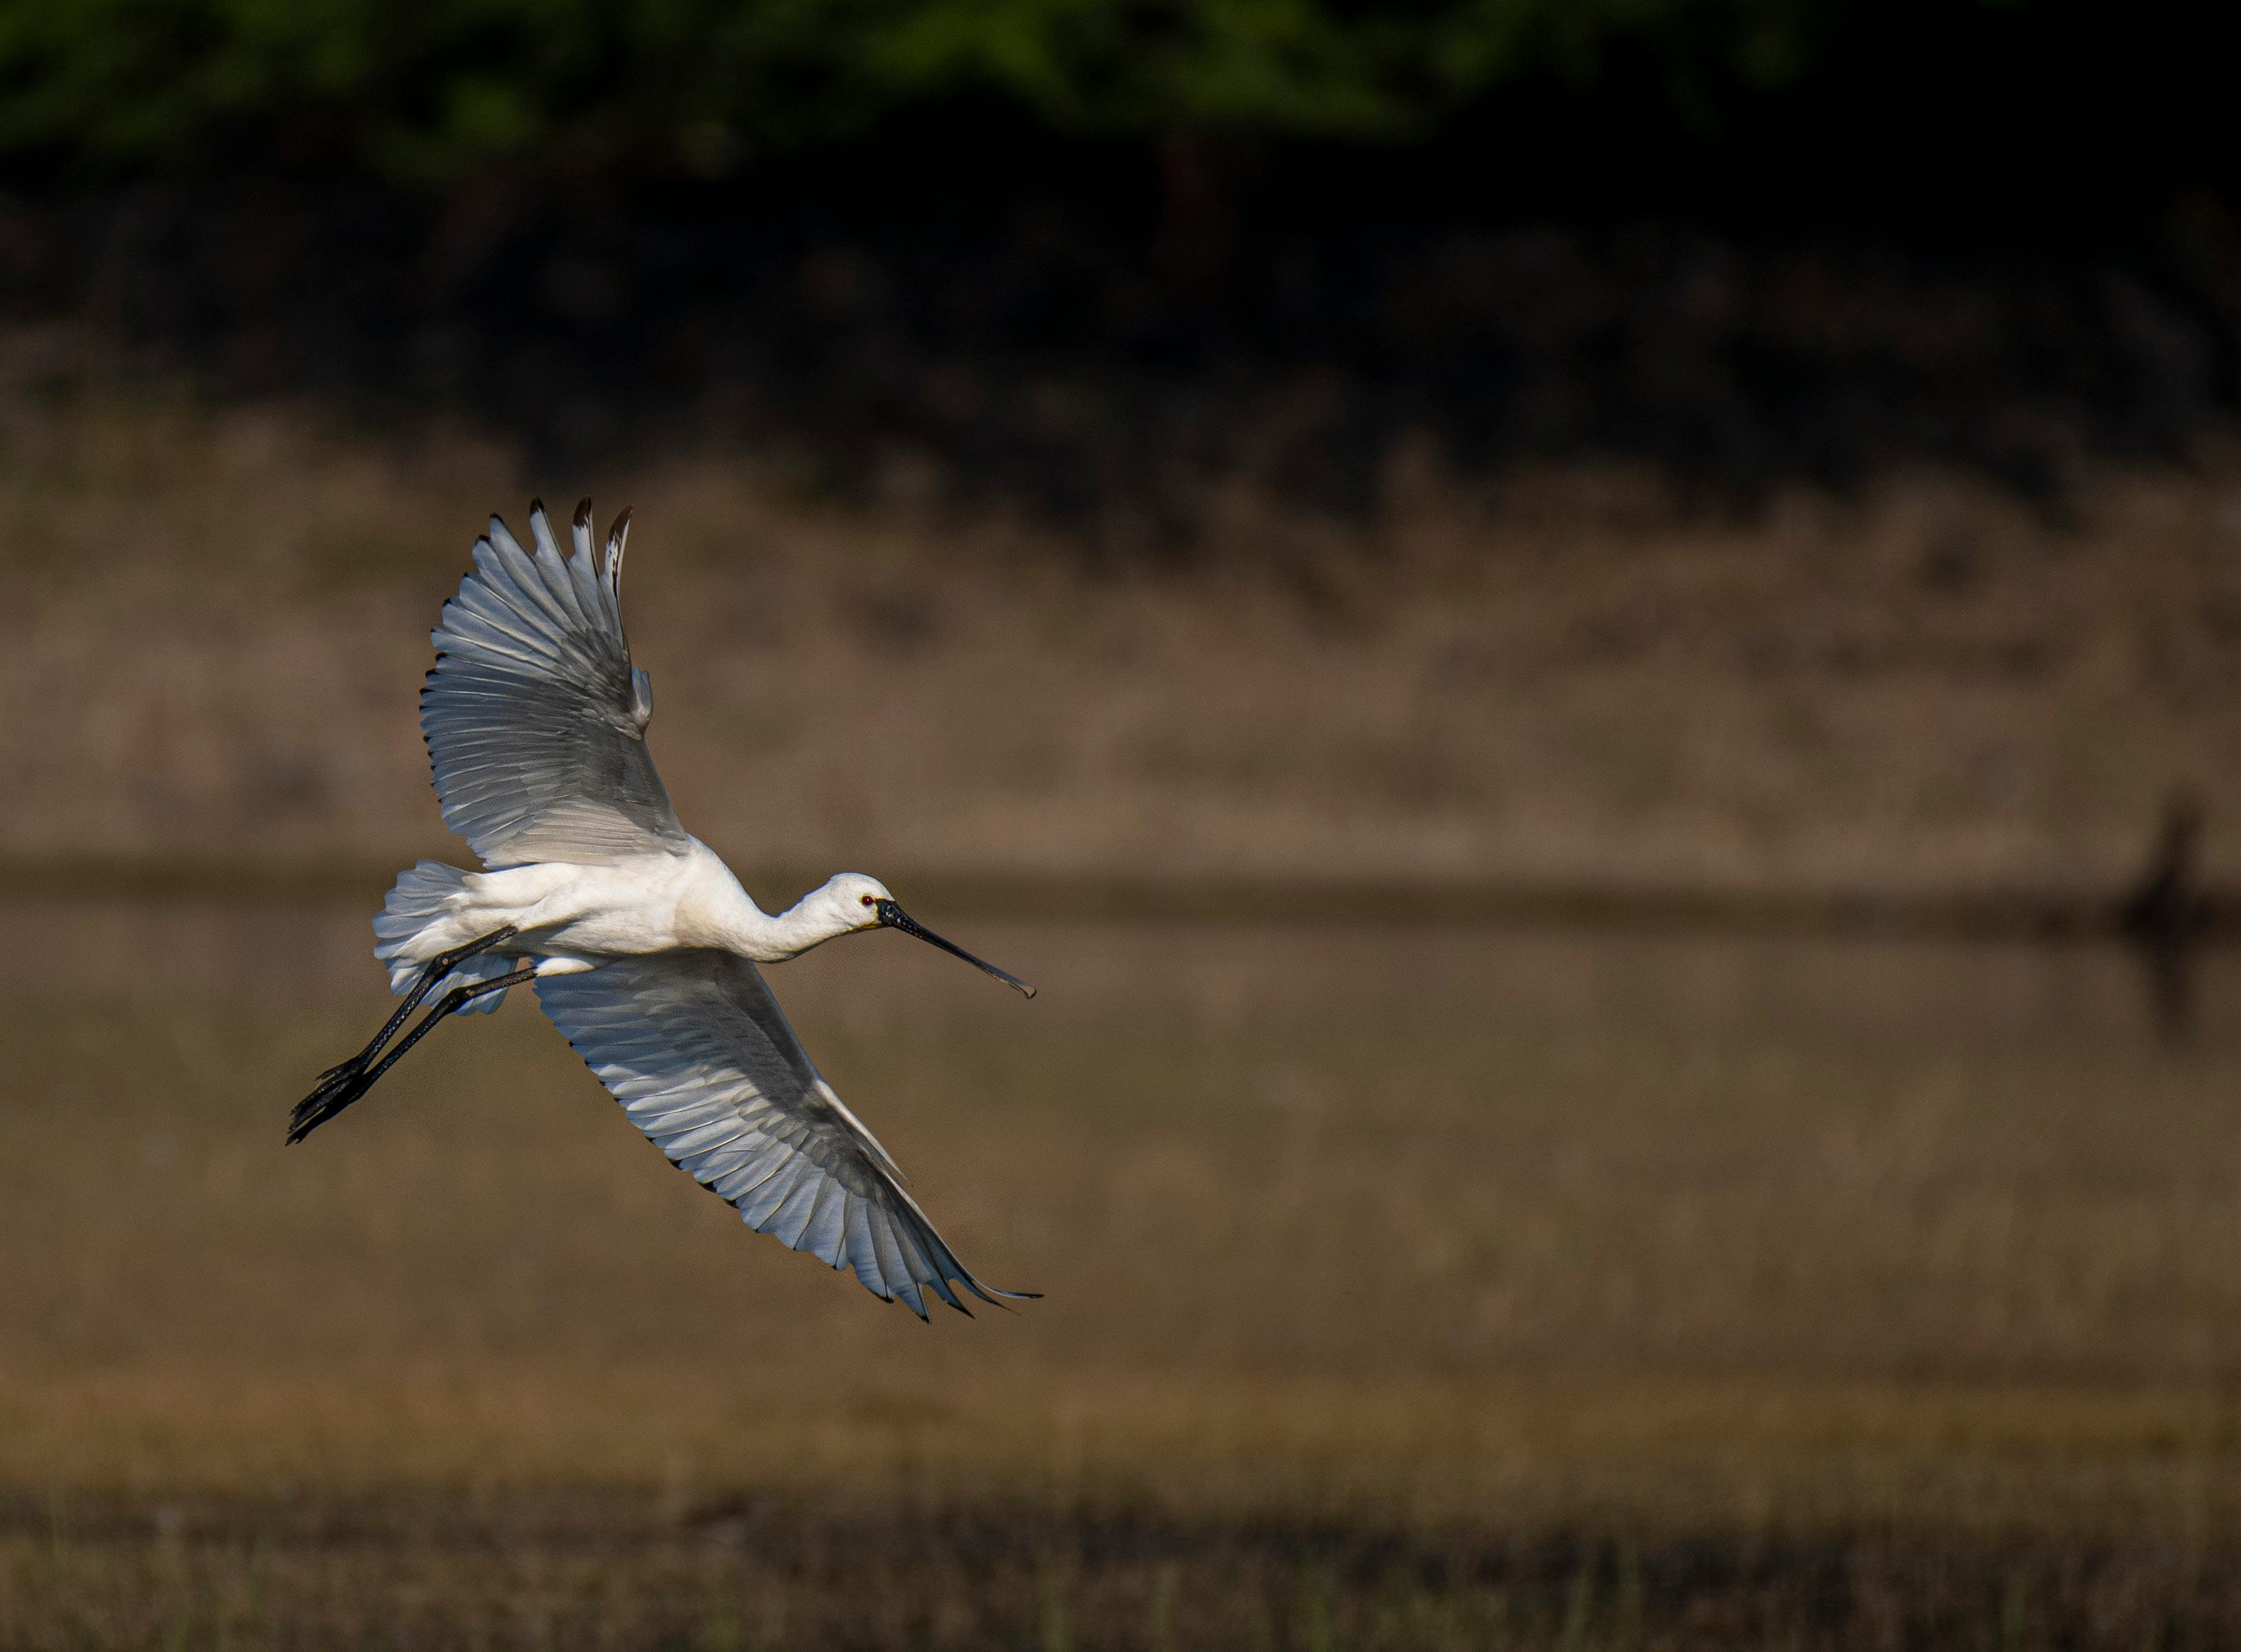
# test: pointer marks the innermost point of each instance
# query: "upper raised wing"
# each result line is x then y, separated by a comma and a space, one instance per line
535, 718
699, 1054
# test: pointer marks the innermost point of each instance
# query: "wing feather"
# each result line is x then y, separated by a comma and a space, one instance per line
856, 1237
535, 717
701, 1058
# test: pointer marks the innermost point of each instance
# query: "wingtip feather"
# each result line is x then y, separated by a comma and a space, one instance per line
617, 542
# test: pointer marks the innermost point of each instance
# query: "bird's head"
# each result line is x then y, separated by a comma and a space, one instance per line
854, 901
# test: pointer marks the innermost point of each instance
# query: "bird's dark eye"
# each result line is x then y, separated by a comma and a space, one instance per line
867, 901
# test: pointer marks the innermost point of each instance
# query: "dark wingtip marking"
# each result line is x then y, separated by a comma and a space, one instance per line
990, 1293
617, 534
584, 513
536, 506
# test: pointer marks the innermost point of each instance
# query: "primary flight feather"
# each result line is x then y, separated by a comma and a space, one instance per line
641, 943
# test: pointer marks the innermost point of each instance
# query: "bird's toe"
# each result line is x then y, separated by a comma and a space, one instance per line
336, 1090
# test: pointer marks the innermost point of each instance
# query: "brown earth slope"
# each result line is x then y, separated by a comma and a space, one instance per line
219, 623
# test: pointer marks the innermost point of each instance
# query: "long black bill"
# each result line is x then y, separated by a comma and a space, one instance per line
893, 917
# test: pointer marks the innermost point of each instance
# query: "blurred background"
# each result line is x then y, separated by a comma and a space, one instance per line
1593, 650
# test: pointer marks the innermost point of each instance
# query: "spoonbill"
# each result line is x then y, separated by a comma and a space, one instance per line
641, 944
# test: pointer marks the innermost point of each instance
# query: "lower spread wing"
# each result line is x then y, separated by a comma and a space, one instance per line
535, 717
699, 1054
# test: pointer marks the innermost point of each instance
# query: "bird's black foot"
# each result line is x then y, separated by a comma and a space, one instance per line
340, 1086
337, 1088
345, 1081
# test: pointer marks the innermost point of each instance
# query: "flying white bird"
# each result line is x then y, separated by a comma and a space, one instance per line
641, 943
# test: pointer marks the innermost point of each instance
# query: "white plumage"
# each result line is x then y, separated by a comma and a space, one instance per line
641, 943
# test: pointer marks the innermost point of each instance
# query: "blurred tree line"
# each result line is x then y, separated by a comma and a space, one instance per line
1092, 256
425, 93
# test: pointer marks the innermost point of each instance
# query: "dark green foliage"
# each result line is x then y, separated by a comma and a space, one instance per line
427, 91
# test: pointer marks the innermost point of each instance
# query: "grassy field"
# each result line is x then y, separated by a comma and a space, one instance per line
1405, 1289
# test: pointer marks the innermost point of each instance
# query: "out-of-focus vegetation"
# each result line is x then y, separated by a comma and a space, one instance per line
426, 92
1092, 260
433, 89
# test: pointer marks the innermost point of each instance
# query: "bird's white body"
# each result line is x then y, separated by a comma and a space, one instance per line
641, 944
571, 916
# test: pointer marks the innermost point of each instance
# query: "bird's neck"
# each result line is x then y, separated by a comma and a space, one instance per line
807, 923
772, 937
715, 910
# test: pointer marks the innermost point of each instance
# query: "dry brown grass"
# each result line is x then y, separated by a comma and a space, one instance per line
592, 1570
1405, 1290
220, 623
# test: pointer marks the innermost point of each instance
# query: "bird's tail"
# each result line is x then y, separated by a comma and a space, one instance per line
408, 935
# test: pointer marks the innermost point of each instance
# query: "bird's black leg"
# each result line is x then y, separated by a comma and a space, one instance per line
355, 1077
329, 1099
442, 964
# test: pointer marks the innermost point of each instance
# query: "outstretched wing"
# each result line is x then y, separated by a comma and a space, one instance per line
699, 1054
534, 717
